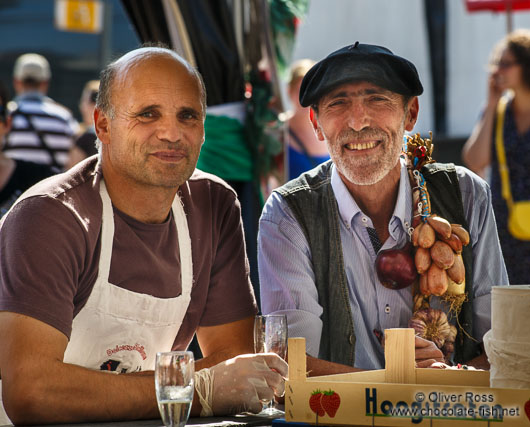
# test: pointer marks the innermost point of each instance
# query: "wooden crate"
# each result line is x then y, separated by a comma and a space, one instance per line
401, 394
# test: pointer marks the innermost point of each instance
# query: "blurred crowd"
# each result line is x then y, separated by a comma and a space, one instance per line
40, 137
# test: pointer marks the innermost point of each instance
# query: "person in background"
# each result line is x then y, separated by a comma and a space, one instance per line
305, 151
42, 131
510, 75
15, 175
85, 142
130, 253
321, 233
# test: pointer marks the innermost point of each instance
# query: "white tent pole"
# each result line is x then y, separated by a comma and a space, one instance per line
509, 17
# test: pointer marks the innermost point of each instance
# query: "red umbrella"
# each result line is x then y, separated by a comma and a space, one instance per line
498, 6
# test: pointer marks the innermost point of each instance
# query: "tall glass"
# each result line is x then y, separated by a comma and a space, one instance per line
270, 336
174, 386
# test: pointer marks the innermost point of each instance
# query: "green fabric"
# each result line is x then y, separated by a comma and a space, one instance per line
285, 16
261, 121
225, 152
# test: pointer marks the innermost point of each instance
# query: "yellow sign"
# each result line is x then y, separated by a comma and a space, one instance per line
85, 16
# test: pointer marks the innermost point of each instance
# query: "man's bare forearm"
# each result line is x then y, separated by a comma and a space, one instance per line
318, 367
70, 393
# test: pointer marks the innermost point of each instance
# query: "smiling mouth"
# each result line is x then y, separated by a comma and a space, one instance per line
169, 156
361, 145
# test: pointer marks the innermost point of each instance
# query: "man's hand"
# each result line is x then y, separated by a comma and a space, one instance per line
427, 353
439, 365
240, 384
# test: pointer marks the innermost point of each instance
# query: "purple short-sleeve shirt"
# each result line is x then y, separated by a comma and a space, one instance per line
50, 245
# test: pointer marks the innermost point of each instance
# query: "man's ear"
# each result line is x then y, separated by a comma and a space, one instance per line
314, 122
102, 126
412, 113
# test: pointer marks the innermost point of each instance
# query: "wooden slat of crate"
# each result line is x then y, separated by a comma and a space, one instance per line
440, 397
359, 400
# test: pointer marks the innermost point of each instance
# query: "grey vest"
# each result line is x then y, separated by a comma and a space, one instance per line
311, 199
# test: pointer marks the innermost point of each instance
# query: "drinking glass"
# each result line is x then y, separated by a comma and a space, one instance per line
270, 336
174, 386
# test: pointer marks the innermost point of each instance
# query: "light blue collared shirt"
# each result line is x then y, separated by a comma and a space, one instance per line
288, 285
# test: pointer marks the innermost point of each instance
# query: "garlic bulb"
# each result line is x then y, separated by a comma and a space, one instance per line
431, 324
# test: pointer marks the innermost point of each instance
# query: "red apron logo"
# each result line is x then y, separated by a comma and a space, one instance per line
137, 347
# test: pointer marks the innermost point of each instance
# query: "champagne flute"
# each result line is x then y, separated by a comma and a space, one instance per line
270, 336
174, 386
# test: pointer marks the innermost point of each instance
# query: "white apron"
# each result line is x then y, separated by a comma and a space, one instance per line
120, 330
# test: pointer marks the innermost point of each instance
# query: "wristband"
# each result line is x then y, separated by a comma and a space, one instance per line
203, 387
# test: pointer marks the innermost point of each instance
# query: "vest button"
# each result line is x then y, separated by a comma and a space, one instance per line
350, 338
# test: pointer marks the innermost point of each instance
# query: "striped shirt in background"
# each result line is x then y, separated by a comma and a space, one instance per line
42, 131
287, 279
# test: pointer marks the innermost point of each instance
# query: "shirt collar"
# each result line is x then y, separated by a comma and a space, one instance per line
348, 208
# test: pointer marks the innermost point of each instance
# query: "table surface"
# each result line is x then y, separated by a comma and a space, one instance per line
240, 420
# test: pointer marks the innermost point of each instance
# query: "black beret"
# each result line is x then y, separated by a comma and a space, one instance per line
360, 62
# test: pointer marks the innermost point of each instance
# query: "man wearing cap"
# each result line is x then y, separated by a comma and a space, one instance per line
320, 233
42, 130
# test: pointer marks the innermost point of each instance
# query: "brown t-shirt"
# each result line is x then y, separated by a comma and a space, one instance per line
50, 246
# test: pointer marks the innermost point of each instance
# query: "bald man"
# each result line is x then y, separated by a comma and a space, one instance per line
129, 253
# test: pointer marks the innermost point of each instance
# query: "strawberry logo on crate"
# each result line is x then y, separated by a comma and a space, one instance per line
326, 402
315, 404
527, 408
330, 402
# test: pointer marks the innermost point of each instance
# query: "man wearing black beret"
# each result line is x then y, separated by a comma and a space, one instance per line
321, 233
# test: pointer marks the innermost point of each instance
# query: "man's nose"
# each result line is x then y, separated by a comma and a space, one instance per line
358, 118
169, 129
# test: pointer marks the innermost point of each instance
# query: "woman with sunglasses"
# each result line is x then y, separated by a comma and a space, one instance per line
509, 80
